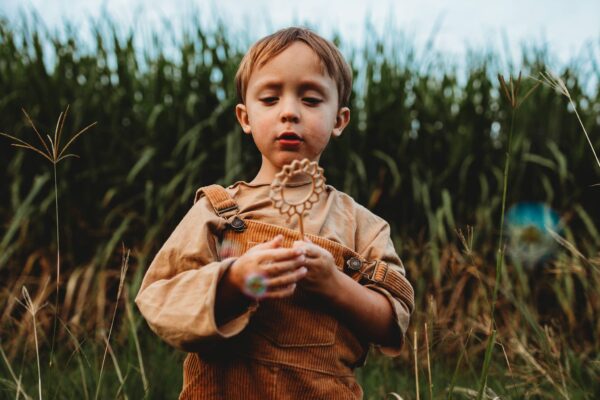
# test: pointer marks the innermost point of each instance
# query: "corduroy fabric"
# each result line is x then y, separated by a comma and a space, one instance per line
286, 348
277, 382
258, 232
219, 198
296, 345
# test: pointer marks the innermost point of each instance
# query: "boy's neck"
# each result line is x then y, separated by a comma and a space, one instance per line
267, 173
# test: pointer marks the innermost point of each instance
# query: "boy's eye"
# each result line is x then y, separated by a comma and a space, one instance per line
312, 100
268, 100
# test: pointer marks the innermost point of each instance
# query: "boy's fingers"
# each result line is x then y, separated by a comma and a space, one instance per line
285, 291
315, 263
305, 244
286, 279
309, 249
281, 254
271, 244
278, 268
277, 240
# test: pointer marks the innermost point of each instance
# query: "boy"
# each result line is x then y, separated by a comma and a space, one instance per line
312, 325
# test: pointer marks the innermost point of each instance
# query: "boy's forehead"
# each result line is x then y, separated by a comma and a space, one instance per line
298, 50
286, 65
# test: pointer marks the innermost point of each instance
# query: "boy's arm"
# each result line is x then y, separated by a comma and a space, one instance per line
382, 248
376, 314
375, 243
179, 291
372, 312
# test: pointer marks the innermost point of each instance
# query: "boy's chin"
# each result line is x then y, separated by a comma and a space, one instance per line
288, 160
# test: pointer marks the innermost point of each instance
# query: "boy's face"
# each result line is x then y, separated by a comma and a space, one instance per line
291, 108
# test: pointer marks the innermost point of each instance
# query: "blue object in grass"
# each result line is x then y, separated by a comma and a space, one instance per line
528, 228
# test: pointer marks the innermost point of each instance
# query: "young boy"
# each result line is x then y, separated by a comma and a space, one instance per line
322, 300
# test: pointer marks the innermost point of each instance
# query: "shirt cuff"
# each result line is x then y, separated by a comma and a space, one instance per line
237, 324
402, 318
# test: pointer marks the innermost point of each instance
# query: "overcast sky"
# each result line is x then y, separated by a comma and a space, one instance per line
569, 28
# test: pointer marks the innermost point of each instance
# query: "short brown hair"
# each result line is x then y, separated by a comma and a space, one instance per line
270, 46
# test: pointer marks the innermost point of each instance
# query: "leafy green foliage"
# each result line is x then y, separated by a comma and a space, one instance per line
425, 149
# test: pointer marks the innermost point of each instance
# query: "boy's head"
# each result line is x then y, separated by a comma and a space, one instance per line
293, 88
270, 46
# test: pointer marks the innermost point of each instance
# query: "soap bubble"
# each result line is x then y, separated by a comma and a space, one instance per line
528, 228
226, 250
255, 286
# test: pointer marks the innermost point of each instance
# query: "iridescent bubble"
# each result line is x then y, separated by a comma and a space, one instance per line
226, 250
528, 228
255, 286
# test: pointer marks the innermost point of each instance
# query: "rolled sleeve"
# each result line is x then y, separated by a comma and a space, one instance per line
178, 294
181, 310
374, 243
401, 317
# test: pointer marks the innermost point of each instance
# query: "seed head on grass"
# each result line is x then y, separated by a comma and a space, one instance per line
511, 90
54, 153
466, 240
50, 147
555, 82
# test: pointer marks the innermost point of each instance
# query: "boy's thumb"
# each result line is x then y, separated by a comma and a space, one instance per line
275, 242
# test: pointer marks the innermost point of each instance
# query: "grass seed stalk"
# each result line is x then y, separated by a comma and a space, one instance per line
33, 308
555, 82
511, 92
54, 153
124, 267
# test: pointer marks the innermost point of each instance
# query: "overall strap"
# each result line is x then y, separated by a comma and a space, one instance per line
347, 260
350, 262
223, 204
394, 282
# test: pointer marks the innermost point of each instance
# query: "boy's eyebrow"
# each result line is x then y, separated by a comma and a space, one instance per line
270, 85
304, 85
314, 85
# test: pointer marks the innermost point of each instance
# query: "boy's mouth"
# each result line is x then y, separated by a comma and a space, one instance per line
289, 139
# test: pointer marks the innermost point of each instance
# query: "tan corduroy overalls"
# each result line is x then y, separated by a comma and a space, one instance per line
293, 347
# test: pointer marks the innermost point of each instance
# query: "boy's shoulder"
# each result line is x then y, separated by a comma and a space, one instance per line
338, 198
360, 211
361, 214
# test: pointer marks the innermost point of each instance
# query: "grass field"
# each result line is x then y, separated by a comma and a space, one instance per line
426, 150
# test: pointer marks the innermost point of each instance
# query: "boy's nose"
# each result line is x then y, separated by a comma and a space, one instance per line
289, 112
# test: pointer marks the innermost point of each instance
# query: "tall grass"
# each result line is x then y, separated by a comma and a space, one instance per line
54, 152
425, 150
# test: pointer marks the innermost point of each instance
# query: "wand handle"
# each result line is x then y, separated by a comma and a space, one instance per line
301, 226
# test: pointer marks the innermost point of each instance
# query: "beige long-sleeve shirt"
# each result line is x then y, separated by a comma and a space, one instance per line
177, 296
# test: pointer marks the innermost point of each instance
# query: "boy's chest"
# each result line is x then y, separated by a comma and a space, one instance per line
325, 218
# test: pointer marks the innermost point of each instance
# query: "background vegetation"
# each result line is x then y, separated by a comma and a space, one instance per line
425, 150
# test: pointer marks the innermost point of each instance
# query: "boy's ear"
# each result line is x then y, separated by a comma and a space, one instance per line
242, 116
341, 121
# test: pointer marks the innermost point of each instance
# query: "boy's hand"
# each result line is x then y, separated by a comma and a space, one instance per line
320, 264
268, 270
